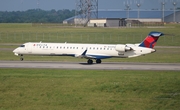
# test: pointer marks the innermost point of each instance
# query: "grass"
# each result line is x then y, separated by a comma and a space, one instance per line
55, 89
20, 33
34, 89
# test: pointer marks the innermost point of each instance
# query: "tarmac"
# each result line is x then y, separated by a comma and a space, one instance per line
85, 66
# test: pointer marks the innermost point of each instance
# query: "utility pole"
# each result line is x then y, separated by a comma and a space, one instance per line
85, 10
138, 4
174, 2
163, 8
38, 5
127, 5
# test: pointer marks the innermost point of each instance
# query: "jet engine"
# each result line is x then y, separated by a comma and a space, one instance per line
123, 48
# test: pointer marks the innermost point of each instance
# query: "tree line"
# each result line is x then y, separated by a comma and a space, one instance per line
36, 16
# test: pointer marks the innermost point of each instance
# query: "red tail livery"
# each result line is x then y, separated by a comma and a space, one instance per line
151, 39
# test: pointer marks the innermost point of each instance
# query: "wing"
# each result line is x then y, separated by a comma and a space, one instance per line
83, 55
91, 56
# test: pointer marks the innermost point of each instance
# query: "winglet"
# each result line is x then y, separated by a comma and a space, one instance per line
151, 39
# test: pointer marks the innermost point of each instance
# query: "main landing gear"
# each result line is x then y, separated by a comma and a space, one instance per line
90, 61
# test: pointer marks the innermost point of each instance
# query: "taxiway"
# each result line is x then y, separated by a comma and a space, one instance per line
79, 65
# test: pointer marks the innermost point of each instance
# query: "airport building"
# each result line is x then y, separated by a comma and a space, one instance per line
110, 18
171, 18
107, 22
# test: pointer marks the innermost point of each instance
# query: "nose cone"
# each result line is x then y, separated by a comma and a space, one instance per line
15, 51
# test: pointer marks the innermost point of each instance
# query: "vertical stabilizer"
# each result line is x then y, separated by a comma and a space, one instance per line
151, 39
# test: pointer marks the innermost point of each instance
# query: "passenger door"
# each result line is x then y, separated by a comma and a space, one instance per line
29, 48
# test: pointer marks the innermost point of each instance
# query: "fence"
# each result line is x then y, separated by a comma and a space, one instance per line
60, 37
132, 23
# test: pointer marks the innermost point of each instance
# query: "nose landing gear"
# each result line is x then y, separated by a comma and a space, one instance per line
21, 58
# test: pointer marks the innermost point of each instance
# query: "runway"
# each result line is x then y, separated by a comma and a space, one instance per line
84, 66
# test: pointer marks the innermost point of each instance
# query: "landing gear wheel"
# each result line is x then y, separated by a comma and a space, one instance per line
21, 59
98, 61
90, 61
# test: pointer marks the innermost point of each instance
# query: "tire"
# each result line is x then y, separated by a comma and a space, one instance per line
98, 61
90, 61
21, 59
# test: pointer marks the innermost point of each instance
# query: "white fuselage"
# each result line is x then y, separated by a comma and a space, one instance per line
94, 51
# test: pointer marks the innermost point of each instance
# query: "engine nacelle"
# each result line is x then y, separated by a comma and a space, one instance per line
122, 48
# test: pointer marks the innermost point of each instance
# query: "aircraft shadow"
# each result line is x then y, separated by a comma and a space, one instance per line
88, 64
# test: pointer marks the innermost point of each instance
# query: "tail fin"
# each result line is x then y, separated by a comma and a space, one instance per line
151, 39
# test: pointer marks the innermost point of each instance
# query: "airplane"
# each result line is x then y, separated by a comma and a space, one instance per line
90, 51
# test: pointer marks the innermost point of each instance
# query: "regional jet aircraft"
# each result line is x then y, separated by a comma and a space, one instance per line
90, 51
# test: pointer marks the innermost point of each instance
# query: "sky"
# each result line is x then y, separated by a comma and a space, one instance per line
23, 5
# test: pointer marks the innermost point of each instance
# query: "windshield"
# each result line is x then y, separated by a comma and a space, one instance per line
22, 46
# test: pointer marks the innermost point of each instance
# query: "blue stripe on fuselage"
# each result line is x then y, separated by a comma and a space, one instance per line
99, 56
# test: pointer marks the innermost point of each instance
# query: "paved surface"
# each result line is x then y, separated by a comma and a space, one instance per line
103, 66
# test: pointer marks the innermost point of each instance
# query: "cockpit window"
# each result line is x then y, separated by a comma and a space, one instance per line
22, 46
